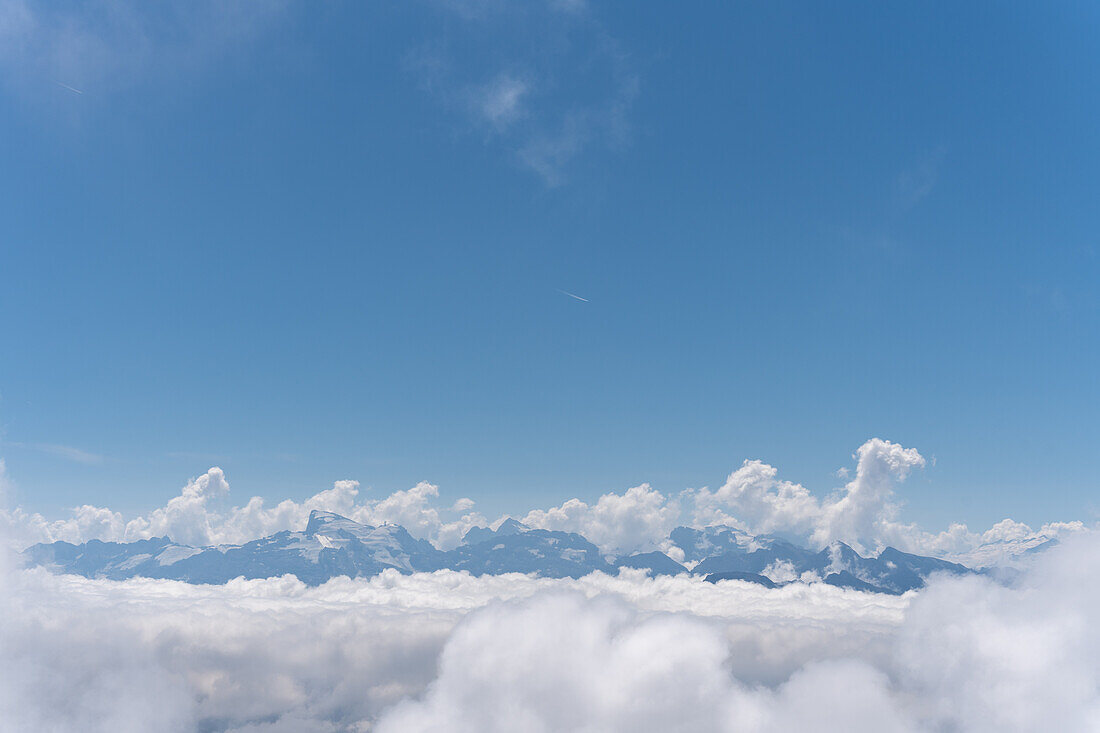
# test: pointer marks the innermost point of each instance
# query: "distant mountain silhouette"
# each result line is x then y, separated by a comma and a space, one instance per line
737, 575
658, 563
332, 545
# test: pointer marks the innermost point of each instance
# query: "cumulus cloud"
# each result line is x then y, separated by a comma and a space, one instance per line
864, 513
562, 662
186, 518
197, 516
636, 520
991, 658
566, 663
755, 500
865, 510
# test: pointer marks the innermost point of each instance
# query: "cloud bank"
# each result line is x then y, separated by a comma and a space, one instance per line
446, 651
865, 513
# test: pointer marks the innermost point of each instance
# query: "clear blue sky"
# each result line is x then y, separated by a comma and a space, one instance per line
328, 241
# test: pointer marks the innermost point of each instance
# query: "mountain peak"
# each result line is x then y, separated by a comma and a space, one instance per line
319, 519
511, 526
482, 534
333, 545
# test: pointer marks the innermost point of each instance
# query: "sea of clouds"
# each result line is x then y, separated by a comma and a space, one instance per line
445, 651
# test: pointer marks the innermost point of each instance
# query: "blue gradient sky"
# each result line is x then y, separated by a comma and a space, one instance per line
328, 241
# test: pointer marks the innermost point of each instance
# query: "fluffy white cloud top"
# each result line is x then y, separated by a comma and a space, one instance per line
636, 520
449, 652
864, 513
197, 516
566, 663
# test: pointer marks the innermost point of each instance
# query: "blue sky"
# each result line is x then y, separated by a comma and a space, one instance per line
329, 241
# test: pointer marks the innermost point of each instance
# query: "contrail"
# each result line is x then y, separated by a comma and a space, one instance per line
71, 89
566, 292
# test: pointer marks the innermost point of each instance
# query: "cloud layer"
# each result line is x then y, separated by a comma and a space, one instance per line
446, 651
449, 652
349, 650
865, 513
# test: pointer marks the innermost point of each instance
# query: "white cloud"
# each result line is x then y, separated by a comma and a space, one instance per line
260, 652
462, 505
186, 518
104, 45
864, 513
447, 651
500, 102
754, 499
67, 452
990, 658
638, 519
574, 95
913, 185
413, 510
781, 571
569, 6
84, 523
197, 517
565, 663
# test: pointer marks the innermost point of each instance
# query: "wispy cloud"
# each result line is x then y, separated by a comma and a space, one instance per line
213, 457
112, 44
198, 456
500, 102
879, 231
573, 95
67, 452
915, 184
569, 6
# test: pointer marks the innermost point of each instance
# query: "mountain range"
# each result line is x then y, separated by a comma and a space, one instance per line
332, 545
